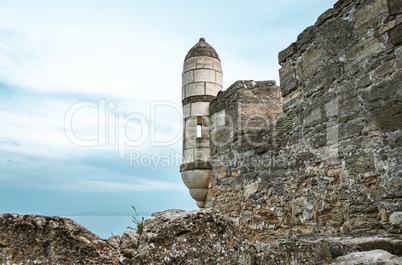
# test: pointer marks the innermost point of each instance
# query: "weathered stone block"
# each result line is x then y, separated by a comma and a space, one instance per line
218, 77
336, 42
343, 4
188, 77
364, 81
370, 14
360, 163
310, 63
366, 48
190, 64
387, 68
292, 100
332, 108
129, 240
186, 110
395, 7
222, 137
324, 17
305, 37
395, 35
204, 75
202, 153
191, 126
357, 57
212, 88
386, 120
287, 73
206, 62
194, 89
114, 241
286, 125
382, 94
188, 156
376, 256
217, 120
313, 116
286, 53
217, 66
396, 219
323, 79
199, 108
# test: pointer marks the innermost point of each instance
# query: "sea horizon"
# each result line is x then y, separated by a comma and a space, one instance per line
106, 225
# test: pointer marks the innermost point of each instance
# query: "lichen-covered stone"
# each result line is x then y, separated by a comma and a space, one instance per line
372, 257
114, 241
367, 15
196, 237
35, 239
175, 237
129, 243
396, 219
207, 237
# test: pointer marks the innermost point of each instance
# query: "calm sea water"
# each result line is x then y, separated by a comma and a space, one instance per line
105, 225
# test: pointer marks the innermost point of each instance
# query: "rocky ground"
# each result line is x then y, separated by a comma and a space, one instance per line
180, 237
35, 239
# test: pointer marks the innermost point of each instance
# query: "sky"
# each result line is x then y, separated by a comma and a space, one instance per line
90, 94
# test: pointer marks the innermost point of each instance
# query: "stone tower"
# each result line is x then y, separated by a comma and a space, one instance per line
201, 82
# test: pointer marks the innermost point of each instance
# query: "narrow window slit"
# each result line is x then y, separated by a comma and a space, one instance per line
199, 126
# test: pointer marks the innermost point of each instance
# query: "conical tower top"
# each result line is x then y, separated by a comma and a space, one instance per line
202, 48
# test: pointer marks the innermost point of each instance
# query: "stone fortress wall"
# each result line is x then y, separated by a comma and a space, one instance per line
332, 161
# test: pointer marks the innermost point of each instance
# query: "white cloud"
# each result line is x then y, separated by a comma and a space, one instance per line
108, 186
123, 50
36, 127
